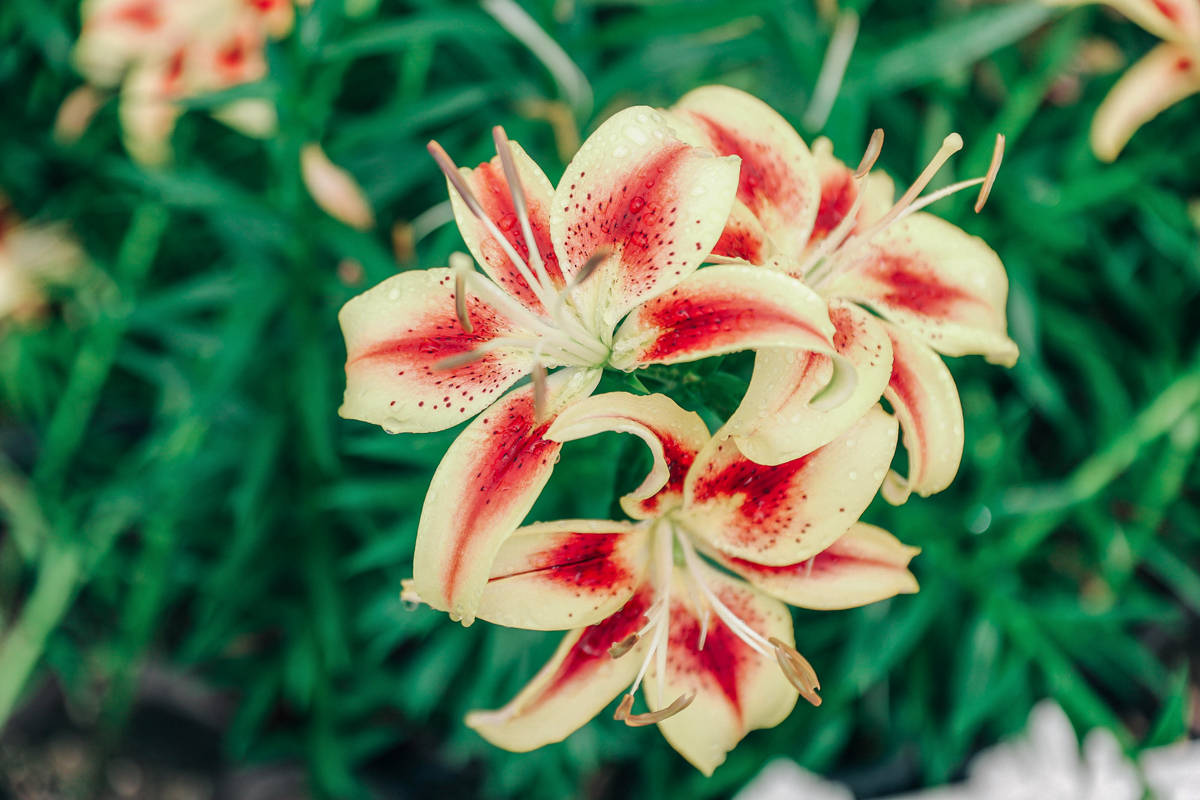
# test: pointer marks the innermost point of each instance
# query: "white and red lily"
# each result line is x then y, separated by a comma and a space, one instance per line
932, 288
1167, 74
600, 272
160, 52
643, 600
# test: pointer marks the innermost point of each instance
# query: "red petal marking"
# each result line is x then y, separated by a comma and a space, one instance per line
825, 561
438, 335
679, 458
174, 71
1184, 64
766, 506
740, 242
592, 648
491, 189
698, 323
764, 179
516, 448
838, 193
232, 56
635, 219
722, 662
912, 285
263, 5
580, 560
1167, 9
144, 15
906, 385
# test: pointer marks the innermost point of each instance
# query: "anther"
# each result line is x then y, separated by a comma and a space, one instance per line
797, 670
624, 646
450, 170
408, 594
874, 148
540, 391
459, 359
652, 717
993, 168
461, 264
589, 267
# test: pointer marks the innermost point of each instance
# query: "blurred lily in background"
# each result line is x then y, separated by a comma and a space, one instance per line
618, 243
33, 257
935, 288
161, 52
1169, 73
717, 654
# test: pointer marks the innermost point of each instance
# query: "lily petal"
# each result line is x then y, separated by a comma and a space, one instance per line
787, 513
723, 309
778, 182
673, 435
147, 116
483, 488
489, 185
776, 421
574, 686
396, 335
940, 283
737, 689
656, 204
865, 565
1164, 76
563, 575
744, 238
923, 395
839, 190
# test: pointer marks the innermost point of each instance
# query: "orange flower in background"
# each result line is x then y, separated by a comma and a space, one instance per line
645, 603
1167, 74
158, 52
933, 289
32, 257
601, 272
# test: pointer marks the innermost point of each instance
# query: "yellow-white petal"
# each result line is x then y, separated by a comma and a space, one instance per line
565, 574
737, 689
922, 393
936, 281
673, 435
786, 513
776, 420
864, 565
334, 189
574, 686
1164, 76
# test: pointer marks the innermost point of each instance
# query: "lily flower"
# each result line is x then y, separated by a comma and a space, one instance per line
600, 272
160, 52
687, 600
1166, 75
931, 287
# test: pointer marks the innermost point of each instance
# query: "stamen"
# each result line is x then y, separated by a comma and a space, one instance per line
950, 145
990, 178
540, 391
798, 671
833, 70
624, 646
652, 717
408, 594
520, 205
460, 289
623, 708
874, 148
589, 267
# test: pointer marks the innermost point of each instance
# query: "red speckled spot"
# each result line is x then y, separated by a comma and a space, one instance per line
635, 218
513, 455
490, 186
144, 15
1184, 64
838, 194
911, 285
765, 179
587, 561
592, 648
713, 321
764, 495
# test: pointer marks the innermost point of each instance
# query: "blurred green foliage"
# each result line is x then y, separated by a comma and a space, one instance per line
178, 488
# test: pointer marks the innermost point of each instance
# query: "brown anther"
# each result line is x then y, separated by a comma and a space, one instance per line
797, 670
509, 165
623, 708
589, 267
460, 301
993, 168
540, 391
624, 646
652, 717
874, 148
450, 170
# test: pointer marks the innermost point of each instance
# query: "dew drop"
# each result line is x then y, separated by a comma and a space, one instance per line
621, 151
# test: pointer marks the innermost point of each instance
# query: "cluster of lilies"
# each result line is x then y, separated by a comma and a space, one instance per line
676, 235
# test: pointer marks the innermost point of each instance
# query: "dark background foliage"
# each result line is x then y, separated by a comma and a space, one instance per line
205, 561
